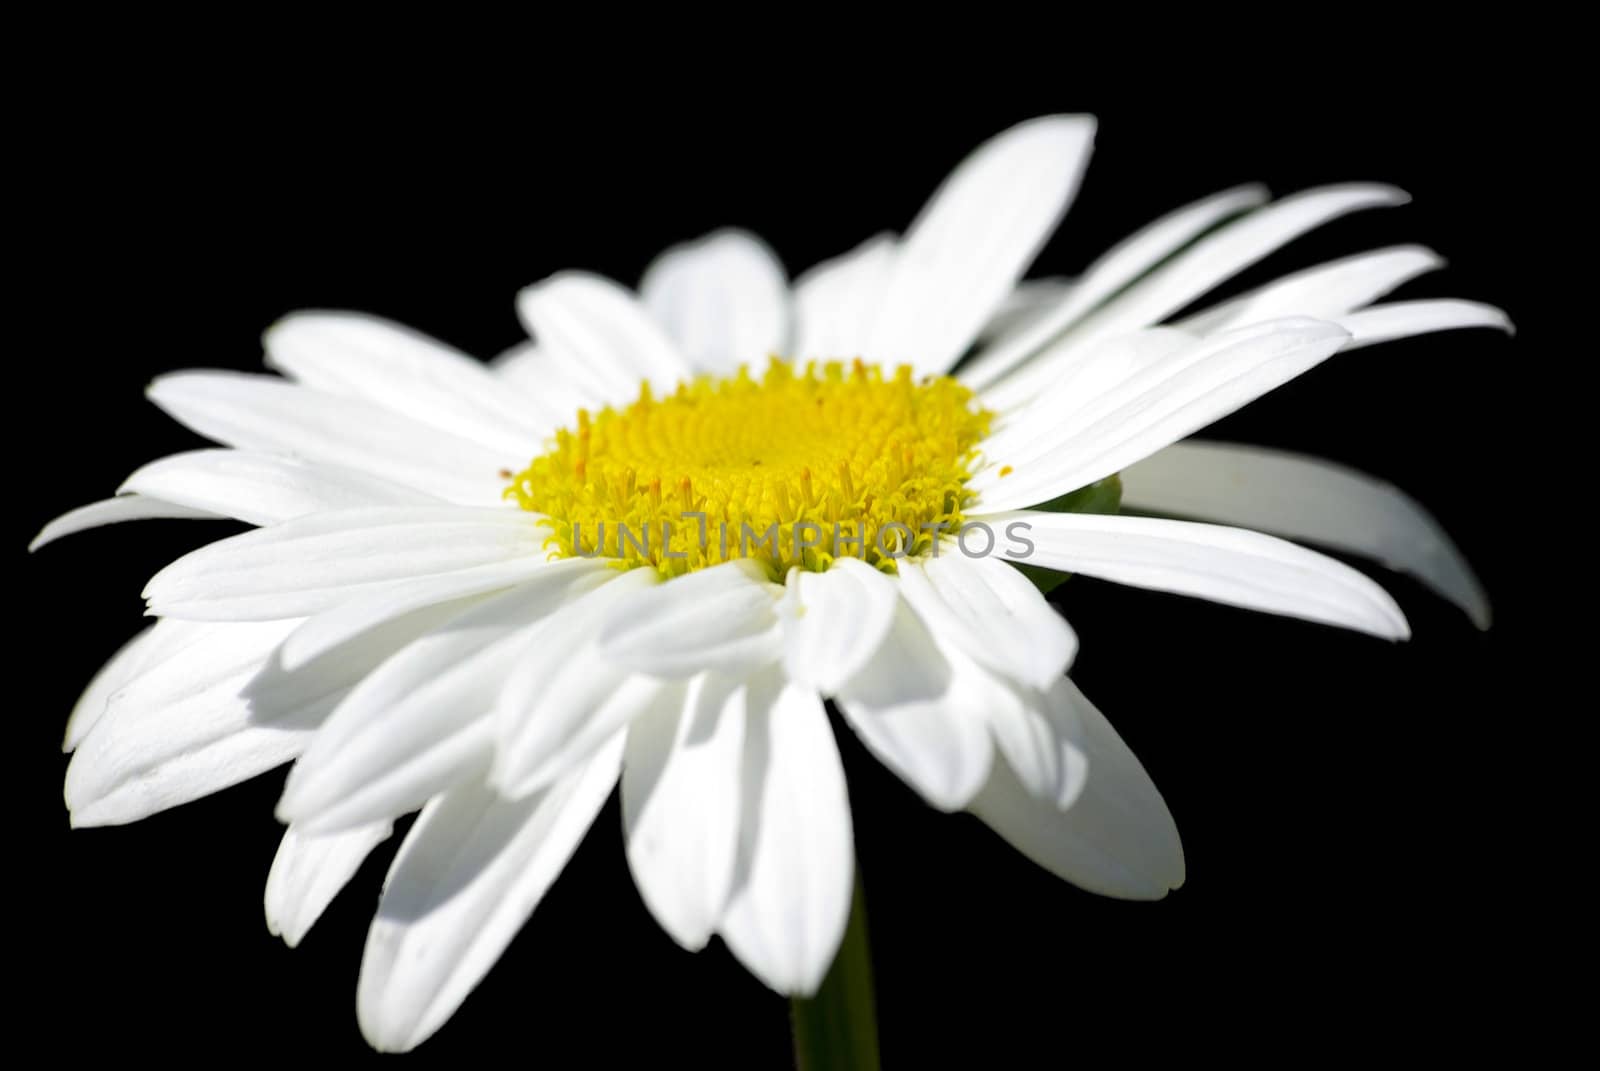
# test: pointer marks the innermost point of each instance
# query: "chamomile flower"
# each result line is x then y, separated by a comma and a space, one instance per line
649, 546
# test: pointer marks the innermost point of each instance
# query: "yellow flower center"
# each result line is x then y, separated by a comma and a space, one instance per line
795, 469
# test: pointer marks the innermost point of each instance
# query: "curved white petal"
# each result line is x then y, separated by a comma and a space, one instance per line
600, 331
1223, 253
975, 238
680, 805
1154, 406
1117, 838
255, 412
993, 612
1227, 565
403, 371
1402, 319
310, 564
469, 874
1308, 499
260, 488
421, 721
721, 619
559, 388
833, 622
149, 645
351, 617
796, 869
1115, 269
920, 710
836, 301
1326, 291
115, 511
1029, 301
564, 697
308, 872
724, 299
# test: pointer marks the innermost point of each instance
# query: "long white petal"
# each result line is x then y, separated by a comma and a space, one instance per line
403, 371
1402, 319
1308, 499
115, 511
350, 618
1029, 301
920, 711
724, 299
469, 874
1116, 839
836, 301
255, 412
565, 697
680, 805
720, 619
260, 488
834, 622
421, 721
1115, 269
975, 238
308, 872
1227, 251
560, 388
309, 564
1227, 565
1154, 406
993, 612
122, 667
1326, 291
599, 329
793, 882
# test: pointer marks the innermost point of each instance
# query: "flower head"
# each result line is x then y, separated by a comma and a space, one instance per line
493, 593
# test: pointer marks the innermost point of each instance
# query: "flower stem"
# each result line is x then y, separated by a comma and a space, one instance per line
838, 1028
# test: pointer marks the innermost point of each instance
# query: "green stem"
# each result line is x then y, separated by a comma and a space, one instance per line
838, 1028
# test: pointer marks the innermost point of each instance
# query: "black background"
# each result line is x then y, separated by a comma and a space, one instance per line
1350, 857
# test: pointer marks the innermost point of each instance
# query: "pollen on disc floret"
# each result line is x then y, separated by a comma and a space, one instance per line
796, 468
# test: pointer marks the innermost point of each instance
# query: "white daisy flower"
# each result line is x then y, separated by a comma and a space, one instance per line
643, 549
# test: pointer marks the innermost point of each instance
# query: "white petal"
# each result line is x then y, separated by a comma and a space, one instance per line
920, 711
420, 722
834, 621
720, 619
1228, 565
1326, 291
1402, 319
470, 873
565, 697
796, 868
836, 301
1031, 300
975, 238
263, 488
266, 413
404, 372
312, 563
680, 805
1153, 406
993, 612
559, 389
114, 511
724, 300
210, 708
1308, 499
599, 330
1218, 256
1119, 266
1117, 838
350, 618
121, 668
308, 872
